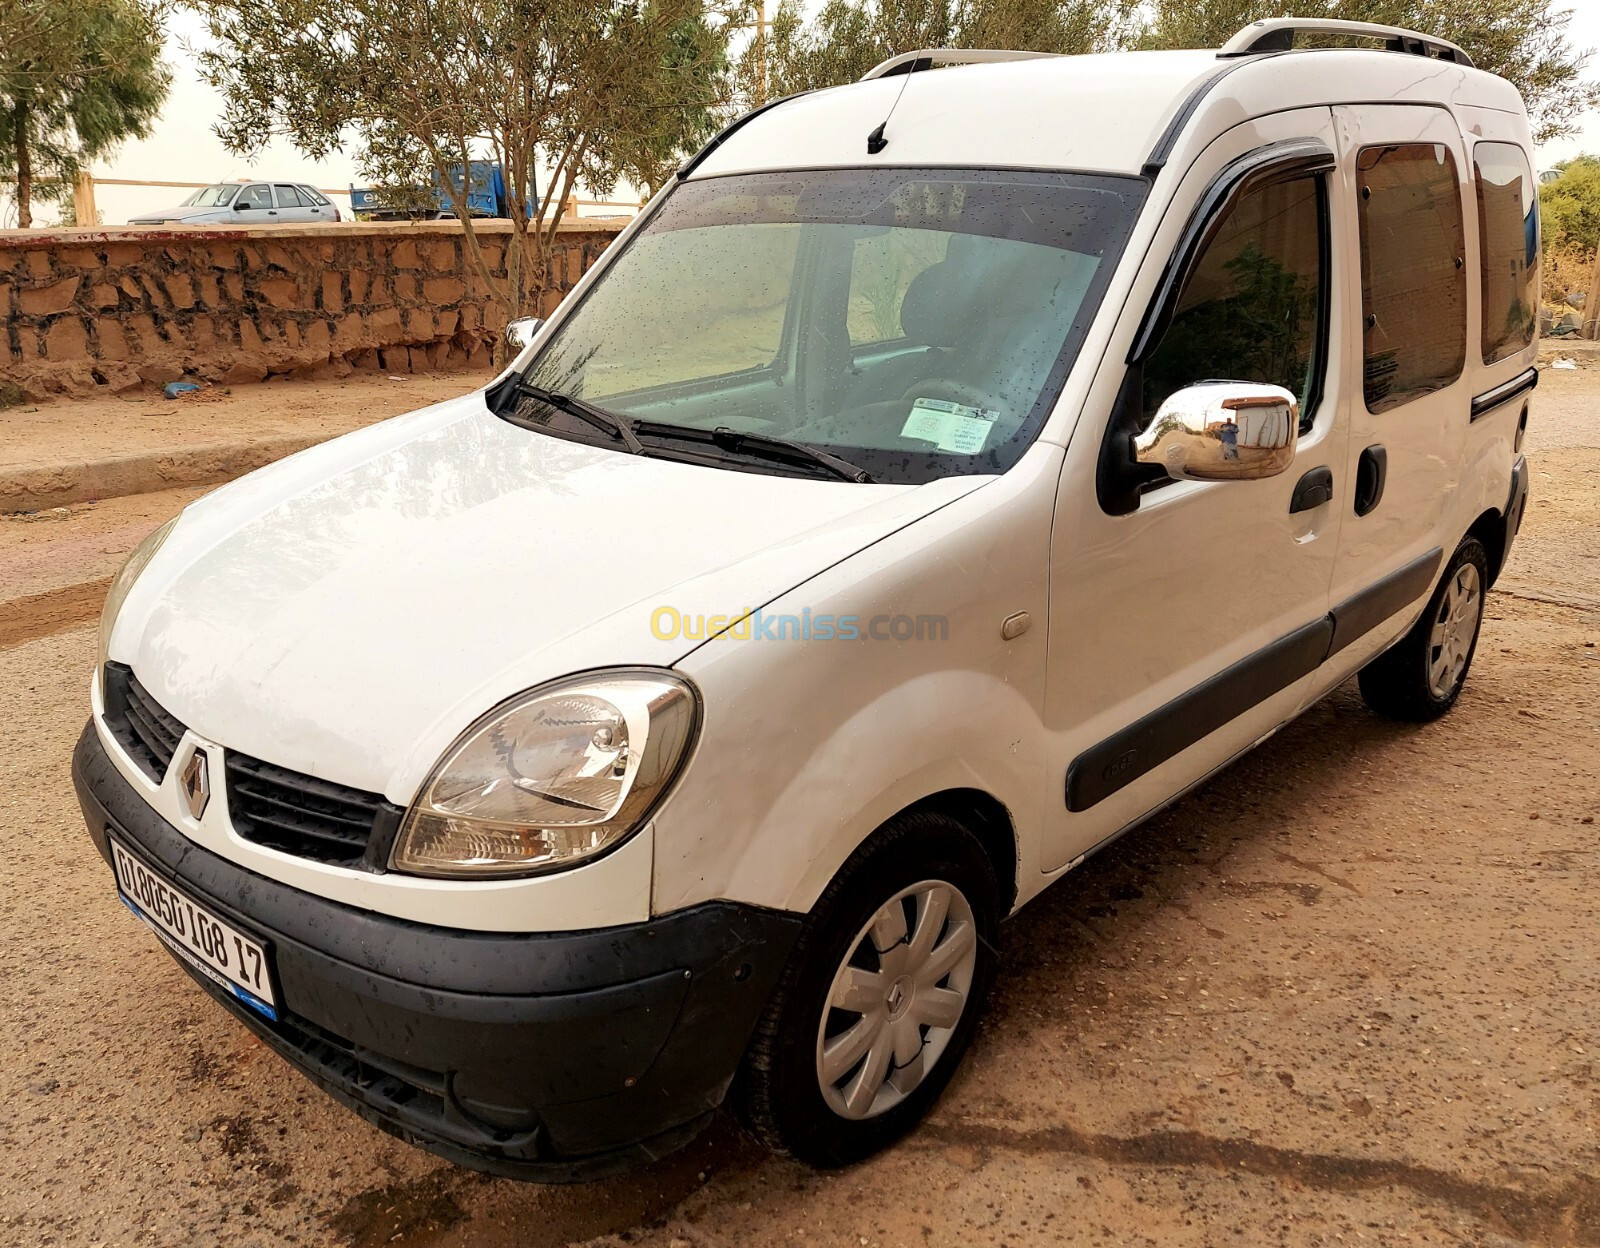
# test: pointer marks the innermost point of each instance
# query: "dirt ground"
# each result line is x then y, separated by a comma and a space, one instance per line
85, 429
1345, 994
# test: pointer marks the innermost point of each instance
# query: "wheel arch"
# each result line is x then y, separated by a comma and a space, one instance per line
990, 823
1490, 529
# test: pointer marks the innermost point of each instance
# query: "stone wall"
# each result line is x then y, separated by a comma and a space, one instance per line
96, 310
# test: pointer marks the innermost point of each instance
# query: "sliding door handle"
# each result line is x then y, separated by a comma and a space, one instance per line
1312, 490
1372, 470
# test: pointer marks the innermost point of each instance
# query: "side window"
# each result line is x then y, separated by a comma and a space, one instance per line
1252, 308
288, 197
1508, 237
255, 197
1413, 274
309, 195
881, 267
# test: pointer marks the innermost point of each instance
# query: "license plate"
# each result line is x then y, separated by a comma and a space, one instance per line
216, 948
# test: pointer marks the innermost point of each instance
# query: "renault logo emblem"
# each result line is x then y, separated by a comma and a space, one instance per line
195, 784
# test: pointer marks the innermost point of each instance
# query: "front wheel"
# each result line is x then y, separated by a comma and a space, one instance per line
880, 998
1419, 678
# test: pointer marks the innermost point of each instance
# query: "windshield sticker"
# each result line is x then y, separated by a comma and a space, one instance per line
950, 426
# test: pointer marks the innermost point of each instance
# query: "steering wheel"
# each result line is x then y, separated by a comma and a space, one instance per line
954, 390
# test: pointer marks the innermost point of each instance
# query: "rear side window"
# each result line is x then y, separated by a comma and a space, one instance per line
288, 197
1413, 272
310, 195
1508, 235
1252, 308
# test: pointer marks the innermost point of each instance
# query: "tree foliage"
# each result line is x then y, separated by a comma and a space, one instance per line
77, 77
597, 89
849, 37
1570, 207
1524, 41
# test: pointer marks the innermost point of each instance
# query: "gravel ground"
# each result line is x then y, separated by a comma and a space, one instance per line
1344, 994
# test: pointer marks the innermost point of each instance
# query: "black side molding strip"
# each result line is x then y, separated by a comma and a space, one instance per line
1142, 746
1519, 385
1362, 612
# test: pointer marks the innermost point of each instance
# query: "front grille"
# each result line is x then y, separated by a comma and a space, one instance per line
270, 805
145, 731
302, 815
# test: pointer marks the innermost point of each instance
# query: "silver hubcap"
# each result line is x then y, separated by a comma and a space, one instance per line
1454, 628
896, 999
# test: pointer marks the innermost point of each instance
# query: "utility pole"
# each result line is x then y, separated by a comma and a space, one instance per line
759, 46
761, 53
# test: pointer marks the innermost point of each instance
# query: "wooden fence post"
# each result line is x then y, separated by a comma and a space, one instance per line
1591, 304
83, 209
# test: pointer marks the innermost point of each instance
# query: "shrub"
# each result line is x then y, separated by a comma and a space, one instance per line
1570, 207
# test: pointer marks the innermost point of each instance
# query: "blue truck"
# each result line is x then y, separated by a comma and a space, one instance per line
486, 189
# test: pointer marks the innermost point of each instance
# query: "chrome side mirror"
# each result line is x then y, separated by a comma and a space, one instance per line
519, 333
1222, 431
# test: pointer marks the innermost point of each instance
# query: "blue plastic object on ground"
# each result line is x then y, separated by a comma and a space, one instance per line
174, 388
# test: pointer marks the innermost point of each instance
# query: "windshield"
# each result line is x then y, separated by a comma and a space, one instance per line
916, 323
212, 197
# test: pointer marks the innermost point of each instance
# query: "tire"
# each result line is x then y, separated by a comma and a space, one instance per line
923, 861
1420, 677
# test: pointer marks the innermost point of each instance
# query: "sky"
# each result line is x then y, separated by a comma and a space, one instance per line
183, 147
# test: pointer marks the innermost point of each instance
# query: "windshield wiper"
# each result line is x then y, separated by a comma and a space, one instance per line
587, 412
761, 446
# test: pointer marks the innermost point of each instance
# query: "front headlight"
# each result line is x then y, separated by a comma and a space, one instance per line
123, 581
554, 776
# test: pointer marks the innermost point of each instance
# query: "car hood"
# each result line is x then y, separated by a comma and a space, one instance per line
350, 610
177, 214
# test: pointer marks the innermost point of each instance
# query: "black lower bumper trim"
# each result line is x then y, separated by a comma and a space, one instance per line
556, 1056
1511, 518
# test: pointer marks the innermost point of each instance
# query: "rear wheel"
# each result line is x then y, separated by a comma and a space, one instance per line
880, 998
1420, 676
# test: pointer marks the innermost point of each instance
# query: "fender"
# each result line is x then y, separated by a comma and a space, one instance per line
807, 747
795, 836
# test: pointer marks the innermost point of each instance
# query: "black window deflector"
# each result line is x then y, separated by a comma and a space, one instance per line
1278, 162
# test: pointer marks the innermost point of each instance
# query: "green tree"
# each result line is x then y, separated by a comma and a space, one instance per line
77, 77
1569, 207
849, 37
1524, 41
603, 89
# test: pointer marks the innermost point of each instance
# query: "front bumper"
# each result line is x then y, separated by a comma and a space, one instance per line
559, 1057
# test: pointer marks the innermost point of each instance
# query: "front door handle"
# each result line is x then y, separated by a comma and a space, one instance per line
1312, 490
1372, 470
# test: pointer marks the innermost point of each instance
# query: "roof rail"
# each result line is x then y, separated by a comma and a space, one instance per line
928, 58
1277, 34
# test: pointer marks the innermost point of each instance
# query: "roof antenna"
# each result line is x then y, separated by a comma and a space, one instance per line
875, 141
